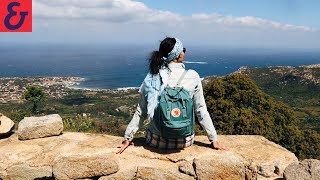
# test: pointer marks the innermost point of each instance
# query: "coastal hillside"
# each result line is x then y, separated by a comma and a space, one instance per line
294, 85
237, 105
298, 87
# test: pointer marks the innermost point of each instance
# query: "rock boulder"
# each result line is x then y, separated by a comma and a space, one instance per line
83, 155
76, 166
222, 165
6, 126
308, 169
39, 127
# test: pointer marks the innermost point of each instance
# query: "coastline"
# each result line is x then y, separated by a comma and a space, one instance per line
77, 86
102, 89
73, 82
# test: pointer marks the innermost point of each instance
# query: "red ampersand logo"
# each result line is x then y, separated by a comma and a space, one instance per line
15, 15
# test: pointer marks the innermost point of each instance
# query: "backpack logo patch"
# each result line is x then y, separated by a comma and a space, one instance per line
175, 112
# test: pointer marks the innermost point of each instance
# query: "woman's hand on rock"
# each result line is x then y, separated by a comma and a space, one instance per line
124, 146
218, 146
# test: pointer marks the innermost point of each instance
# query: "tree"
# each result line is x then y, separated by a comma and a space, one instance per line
34, 94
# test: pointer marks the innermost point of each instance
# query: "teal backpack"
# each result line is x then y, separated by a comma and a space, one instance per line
174, 116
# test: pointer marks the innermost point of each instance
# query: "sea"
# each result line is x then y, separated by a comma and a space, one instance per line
118, 66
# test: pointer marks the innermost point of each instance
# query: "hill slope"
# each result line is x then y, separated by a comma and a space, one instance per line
297, 86
238, 106
294, 85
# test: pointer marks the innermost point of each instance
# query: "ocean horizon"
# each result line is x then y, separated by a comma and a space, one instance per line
125, 66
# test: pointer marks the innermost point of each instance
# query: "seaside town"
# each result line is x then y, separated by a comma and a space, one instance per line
12, 88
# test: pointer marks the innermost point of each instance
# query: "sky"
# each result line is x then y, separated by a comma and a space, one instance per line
216, 23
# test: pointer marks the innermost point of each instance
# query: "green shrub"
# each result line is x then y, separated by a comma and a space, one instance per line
18, 114
79, 123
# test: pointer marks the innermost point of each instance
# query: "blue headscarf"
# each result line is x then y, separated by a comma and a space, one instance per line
175, 52
153, 85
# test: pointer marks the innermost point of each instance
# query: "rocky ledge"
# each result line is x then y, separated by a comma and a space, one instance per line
81, 155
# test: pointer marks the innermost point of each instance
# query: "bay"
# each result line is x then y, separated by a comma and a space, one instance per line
109, 66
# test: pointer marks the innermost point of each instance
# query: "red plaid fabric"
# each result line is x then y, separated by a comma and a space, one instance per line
162, 143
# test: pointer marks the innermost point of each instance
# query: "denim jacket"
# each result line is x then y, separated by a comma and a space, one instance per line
152, 87
192, 83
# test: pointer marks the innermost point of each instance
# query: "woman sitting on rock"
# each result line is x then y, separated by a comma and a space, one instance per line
170, 96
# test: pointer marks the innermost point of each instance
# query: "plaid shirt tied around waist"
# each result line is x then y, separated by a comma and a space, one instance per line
163, 143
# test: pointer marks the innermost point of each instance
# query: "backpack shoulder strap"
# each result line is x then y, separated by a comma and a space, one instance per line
181, 78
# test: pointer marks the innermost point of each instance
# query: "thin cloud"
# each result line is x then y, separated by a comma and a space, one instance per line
117, 11
248, 21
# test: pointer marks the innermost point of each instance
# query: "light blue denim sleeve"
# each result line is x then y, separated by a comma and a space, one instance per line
139, 116
202, 113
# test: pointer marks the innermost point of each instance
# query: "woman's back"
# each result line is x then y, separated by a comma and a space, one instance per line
189, 82
165, 69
